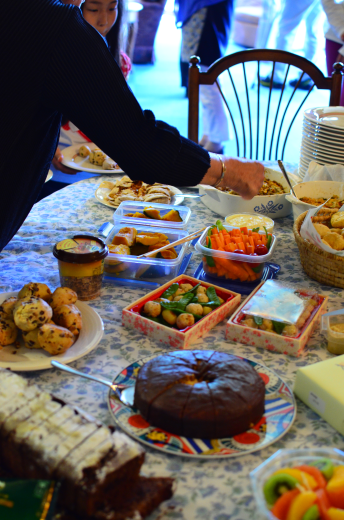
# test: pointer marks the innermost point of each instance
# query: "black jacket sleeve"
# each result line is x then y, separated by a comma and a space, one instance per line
90, 89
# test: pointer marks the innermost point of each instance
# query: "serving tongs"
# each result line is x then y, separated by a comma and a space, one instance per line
124, 393
179, 242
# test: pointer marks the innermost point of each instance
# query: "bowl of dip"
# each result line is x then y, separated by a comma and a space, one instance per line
274, 205
250, 220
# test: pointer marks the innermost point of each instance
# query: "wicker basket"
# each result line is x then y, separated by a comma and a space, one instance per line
323, 267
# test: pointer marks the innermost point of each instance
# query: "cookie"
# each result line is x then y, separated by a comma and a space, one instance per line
68, 316
37, 290
30, 314
8, 331
55, 339
63, 296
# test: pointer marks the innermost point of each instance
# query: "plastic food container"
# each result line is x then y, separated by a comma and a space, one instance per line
81, 264
250, 220
332, 323
133, 207
232, 263
287, 459
179, 339
158, 270
240, 333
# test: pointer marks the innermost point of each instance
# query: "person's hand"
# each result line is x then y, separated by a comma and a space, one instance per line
57, 163
243, 176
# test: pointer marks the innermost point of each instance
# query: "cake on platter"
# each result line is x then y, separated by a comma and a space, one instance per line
42, 437
200, 393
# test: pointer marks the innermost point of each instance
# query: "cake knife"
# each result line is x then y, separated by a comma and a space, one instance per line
124, 393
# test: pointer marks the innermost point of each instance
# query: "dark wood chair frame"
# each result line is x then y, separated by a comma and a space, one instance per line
197, 78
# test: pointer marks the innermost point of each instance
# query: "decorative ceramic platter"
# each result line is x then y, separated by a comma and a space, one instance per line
102, 193
74, 161
280, 412
25, 359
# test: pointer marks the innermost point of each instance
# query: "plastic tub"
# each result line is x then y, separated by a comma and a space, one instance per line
287, 459
332, 324
81, 264
250, 220
146, 268
254, 265
132, 207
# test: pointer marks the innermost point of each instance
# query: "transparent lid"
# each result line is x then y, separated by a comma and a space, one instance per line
178, 216
333, 322
279, 301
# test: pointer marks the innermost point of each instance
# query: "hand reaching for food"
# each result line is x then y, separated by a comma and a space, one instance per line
57, 163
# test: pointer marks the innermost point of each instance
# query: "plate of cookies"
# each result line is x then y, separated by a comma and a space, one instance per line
89, 158
38, 325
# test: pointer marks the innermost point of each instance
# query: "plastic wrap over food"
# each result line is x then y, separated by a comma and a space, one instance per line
317, 237
279, 302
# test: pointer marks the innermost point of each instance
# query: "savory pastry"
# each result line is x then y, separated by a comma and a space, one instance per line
337, 220
321, 229
109, 164
84, 151
30, 314
7, 306
55, 339
63, 296
334, 240
37, 290
8, 331
68, 316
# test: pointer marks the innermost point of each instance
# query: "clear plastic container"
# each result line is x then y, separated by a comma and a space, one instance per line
132, 207
232, 263
287, 459
250, 220
333, 324
131, 267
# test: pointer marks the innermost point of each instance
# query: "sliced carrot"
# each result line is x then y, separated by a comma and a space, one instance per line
249, 232
244, 230
232, 247
242, 246
251, 241
249, 249
224, 232
220, 239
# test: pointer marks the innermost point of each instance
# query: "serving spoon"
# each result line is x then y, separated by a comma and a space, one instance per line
124, 393
281, 165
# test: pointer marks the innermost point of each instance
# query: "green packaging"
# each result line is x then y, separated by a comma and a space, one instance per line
27, 499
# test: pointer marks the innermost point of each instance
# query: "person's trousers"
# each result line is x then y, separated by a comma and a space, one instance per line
332, 49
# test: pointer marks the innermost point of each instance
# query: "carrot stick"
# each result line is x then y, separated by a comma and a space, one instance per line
220, 239
249, 232
251, 241
242, 246
244, 230
249, 249
214, 231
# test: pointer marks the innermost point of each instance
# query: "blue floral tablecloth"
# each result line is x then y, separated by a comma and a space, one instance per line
208, 489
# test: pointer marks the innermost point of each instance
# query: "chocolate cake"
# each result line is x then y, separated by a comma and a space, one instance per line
42, 437
200, 393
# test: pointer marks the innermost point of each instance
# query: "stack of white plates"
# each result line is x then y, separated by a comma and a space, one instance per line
322, 137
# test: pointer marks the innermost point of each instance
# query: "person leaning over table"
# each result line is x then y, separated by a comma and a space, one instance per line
55, 63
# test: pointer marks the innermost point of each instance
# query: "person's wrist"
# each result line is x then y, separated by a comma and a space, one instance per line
222, 173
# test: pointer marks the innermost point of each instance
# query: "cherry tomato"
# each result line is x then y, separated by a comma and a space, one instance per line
261, 250
239, 252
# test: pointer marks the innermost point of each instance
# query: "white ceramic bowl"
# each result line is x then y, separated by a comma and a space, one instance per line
313, 189
274, 206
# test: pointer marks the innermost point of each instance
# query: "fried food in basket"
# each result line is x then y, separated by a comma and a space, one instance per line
334, 240
333, 203
321, 229
337, 220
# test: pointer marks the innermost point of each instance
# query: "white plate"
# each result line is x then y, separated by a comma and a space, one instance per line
101, 194
320, 158
49, 176
329, 146
324, 135
315, 149
332, 117
26, 359
82, 163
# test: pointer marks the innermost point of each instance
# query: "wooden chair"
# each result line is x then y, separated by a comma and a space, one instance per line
238, 77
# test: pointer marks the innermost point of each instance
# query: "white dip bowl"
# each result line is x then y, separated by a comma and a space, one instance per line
314, 190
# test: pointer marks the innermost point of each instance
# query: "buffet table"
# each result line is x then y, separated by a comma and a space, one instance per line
205, 489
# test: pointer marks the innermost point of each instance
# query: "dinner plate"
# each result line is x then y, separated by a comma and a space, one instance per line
72, 160
334, 148
280, 412
314, 149
101, 194
332, 117
25, 359
320, 158
323, 133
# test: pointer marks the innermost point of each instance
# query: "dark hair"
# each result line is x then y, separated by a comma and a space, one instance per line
113, 37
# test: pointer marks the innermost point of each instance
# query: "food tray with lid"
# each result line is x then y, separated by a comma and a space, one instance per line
132, 318
132, 207
131, 267
222, 265
240, 333
284, 459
